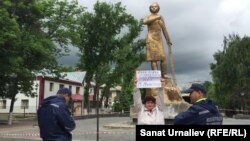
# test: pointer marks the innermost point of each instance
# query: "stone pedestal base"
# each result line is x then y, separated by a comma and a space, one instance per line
172, 109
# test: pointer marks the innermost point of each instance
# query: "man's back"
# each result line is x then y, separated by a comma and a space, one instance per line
54, 119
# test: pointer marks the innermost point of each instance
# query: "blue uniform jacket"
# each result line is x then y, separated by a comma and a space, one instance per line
203, 112
54, 120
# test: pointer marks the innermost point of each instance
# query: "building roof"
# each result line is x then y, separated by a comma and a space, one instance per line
74, 76
77, 76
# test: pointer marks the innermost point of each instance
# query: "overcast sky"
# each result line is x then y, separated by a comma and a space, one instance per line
196, 28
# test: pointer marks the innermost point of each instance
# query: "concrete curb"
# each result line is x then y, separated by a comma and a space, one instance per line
122, 125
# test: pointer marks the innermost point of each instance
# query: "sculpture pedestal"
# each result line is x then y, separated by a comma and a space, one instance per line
170, 110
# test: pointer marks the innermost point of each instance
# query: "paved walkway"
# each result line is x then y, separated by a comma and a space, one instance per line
110, 129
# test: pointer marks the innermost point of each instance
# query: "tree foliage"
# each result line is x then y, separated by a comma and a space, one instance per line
9, 38
231, 72
109, 46
30, 31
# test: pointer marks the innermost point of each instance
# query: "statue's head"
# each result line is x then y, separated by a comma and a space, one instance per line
154, 7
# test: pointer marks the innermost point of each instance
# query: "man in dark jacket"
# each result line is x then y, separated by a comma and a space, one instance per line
54, 119
202, 112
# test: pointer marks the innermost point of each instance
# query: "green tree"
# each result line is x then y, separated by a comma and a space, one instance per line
29, 41
109, 45
208, 85
9, 38
231, 72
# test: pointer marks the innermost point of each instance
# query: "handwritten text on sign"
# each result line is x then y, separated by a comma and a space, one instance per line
148, 79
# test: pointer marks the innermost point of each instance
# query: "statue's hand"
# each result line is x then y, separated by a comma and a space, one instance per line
169, 43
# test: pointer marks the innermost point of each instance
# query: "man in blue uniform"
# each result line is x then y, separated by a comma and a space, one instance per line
202, 112
54, 119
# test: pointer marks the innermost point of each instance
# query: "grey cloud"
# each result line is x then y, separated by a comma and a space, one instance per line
196, 28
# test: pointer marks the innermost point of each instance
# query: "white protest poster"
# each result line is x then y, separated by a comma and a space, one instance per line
148, 79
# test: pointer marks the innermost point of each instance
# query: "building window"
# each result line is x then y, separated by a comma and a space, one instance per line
51, 87
70, 87
2, 104
25, 104
77, 90
61, 86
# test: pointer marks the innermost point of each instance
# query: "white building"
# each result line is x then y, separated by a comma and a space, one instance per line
45, 86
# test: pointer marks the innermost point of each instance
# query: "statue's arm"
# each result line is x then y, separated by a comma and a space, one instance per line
165, 31
137, 99
150, 19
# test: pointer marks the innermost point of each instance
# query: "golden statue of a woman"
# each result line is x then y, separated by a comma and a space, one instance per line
154, 43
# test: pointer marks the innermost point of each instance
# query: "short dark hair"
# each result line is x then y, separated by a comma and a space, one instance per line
149, 98
64, 91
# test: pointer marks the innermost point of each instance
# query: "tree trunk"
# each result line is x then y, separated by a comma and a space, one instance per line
12, 91
106, 103
10, 118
